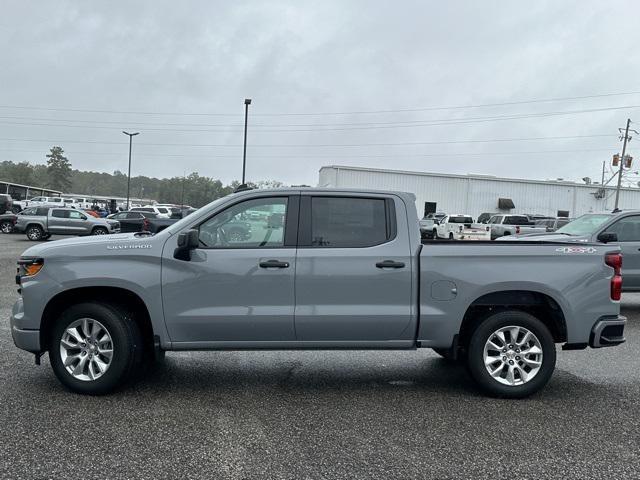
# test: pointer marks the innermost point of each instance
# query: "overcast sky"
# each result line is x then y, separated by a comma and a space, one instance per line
71, 72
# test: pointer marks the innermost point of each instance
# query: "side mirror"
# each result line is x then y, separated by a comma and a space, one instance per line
607, 237
187, 241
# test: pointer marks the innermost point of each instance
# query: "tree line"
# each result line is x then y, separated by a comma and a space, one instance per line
58, 174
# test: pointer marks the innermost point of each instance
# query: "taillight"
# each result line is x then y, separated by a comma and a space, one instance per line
145, 224
614, 260
517, 229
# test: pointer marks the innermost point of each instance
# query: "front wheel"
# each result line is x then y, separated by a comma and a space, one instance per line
95, 348
99, 231
511, 354
450, 236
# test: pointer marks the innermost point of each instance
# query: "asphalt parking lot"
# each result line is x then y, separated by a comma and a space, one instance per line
319, 415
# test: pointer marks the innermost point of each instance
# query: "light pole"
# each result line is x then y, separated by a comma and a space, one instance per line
247, 102
131, 135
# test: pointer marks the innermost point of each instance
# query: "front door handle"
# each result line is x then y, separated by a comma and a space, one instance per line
390, 264
274, 264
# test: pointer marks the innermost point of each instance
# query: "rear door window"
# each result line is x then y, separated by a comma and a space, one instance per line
348, 222
60, 213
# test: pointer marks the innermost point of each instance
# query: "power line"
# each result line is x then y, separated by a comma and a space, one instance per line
412, 155
383, 125
303, 145
355, 112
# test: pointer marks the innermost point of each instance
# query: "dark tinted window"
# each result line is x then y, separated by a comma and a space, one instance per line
627, 229
516, 220
59, 214
129, 215
460, 220
348, 222
142, 209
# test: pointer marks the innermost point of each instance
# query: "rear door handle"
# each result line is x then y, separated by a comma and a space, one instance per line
390, 264
274, 264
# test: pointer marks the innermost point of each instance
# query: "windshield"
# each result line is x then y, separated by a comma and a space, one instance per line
585, 225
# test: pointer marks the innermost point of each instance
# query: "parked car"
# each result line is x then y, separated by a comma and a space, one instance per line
552, 224
6, 204
39, 223
502, 225
619, 228
45, 202
161, 212
459, 227
133, 221
428, 222
347, 271
484, 218
7, 221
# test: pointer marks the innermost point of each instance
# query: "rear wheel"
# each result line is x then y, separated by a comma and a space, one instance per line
6, 226
511, 354
95, 348
99, 231
35, 233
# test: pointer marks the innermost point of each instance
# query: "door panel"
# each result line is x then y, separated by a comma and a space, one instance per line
230, 291
345, 294
57, 222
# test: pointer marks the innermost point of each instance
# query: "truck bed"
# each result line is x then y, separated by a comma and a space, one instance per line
456, 275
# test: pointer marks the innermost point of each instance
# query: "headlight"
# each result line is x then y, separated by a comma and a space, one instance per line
28, 267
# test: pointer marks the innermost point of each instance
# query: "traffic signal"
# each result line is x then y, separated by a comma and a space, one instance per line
616, 160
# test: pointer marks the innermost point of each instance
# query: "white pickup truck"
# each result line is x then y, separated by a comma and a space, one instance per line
459, 227
502, 225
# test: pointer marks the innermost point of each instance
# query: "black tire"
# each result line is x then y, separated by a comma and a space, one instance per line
475, 360
99, 231
6, 226
127, 348
35, 233
450, 236
435, 234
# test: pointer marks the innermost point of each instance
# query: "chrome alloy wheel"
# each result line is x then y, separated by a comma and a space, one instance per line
86, 349
512, 355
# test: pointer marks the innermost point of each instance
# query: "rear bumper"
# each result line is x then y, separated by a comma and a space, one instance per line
608, 332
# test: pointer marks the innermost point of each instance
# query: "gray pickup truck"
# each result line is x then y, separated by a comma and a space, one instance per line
331, 269
505, 225
39, 223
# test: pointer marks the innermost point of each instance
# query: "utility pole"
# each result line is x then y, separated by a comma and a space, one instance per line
602, 182
131, 135
247, 102
625, 139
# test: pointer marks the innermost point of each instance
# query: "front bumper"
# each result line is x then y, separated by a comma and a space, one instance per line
26, 339
608, 332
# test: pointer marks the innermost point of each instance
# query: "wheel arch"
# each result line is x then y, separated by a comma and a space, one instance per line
115, 296
539, 304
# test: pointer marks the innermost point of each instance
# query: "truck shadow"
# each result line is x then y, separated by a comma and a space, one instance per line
429, 376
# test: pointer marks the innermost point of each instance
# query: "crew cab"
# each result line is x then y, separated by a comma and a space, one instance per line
39, 223
323, 269
502, 225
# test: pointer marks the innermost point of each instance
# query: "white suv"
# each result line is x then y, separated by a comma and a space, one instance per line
162, 212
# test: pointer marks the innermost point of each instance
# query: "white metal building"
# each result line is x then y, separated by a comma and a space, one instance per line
475, 194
